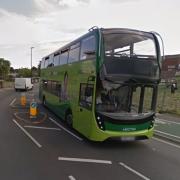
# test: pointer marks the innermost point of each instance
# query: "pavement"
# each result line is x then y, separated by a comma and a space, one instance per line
168, 126
52, 151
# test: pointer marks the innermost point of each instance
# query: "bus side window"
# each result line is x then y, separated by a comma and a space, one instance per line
42, 64
44, 84
64, 56
46, 62
48, 87
86, 95
88, 48
50, 61
58, 89
74, 53
55, 88
56, 59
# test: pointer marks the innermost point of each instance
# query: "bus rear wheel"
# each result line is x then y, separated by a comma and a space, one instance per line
69, 119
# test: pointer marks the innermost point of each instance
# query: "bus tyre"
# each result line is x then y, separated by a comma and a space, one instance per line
69, 119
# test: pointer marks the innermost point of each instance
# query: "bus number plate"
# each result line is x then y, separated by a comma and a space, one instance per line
128, 138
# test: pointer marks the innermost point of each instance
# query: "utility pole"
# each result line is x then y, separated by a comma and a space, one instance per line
31, 63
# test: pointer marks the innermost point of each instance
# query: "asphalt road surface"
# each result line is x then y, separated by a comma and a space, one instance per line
52, 151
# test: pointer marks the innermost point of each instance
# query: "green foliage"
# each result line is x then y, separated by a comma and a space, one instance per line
4, 68
168, 102
35, 72
12, 70
24, 72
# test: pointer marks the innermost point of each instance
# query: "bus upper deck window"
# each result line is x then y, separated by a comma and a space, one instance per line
74, 53
42, 64
46, 62
88, 48
64, 56
56, 59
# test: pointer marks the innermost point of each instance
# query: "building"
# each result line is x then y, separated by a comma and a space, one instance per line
171, 62
171, 66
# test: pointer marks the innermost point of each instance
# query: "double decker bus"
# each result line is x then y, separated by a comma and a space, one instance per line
105, 83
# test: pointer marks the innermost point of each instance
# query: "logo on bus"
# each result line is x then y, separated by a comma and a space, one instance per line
129, 129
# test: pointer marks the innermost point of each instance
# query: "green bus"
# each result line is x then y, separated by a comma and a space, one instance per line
105, 83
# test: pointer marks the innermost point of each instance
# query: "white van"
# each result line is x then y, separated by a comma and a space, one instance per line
23, 84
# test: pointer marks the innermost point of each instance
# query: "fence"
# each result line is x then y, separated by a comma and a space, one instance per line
167, 101
6, 84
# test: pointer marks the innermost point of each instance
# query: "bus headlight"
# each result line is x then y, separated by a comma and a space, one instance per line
100, 122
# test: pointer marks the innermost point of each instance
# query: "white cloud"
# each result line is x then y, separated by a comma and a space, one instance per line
26, 8
45, 6
56, 22
121, 1
72, 3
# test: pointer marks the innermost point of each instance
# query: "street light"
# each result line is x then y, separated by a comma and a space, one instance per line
31, 62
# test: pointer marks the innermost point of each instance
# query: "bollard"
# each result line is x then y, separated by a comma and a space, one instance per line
33, 109
23, 99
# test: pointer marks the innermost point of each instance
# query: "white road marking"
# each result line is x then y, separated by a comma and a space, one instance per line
40, 127
166, 142
27, 134
59, 125
85, 160
164, 120
134, 171
171, 135
12, 102
160, 122
71, 177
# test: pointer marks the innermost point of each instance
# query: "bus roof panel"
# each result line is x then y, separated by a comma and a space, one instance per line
125, 31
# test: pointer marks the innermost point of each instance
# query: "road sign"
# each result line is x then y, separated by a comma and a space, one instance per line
33, 109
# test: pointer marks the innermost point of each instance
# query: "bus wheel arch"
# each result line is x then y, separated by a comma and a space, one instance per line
69, 117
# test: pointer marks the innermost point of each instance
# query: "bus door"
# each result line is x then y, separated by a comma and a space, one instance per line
85, 114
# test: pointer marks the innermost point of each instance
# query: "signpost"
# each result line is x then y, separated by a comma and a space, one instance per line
33, 109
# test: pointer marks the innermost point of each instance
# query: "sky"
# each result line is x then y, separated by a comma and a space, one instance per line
47, 25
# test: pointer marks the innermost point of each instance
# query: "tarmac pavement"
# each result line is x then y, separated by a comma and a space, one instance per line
52, 151
168, 126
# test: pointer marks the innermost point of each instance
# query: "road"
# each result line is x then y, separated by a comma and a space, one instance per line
51, 151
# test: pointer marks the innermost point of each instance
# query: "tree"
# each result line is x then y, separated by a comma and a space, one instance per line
12, 70
35, 72
4, 68
39, 68
24, 72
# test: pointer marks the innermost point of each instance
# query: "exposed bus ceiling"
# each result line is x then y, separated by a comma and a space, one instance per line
128, 37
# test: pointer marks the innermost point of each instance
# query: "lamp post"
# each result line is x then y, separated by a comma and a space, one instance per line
31, 62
